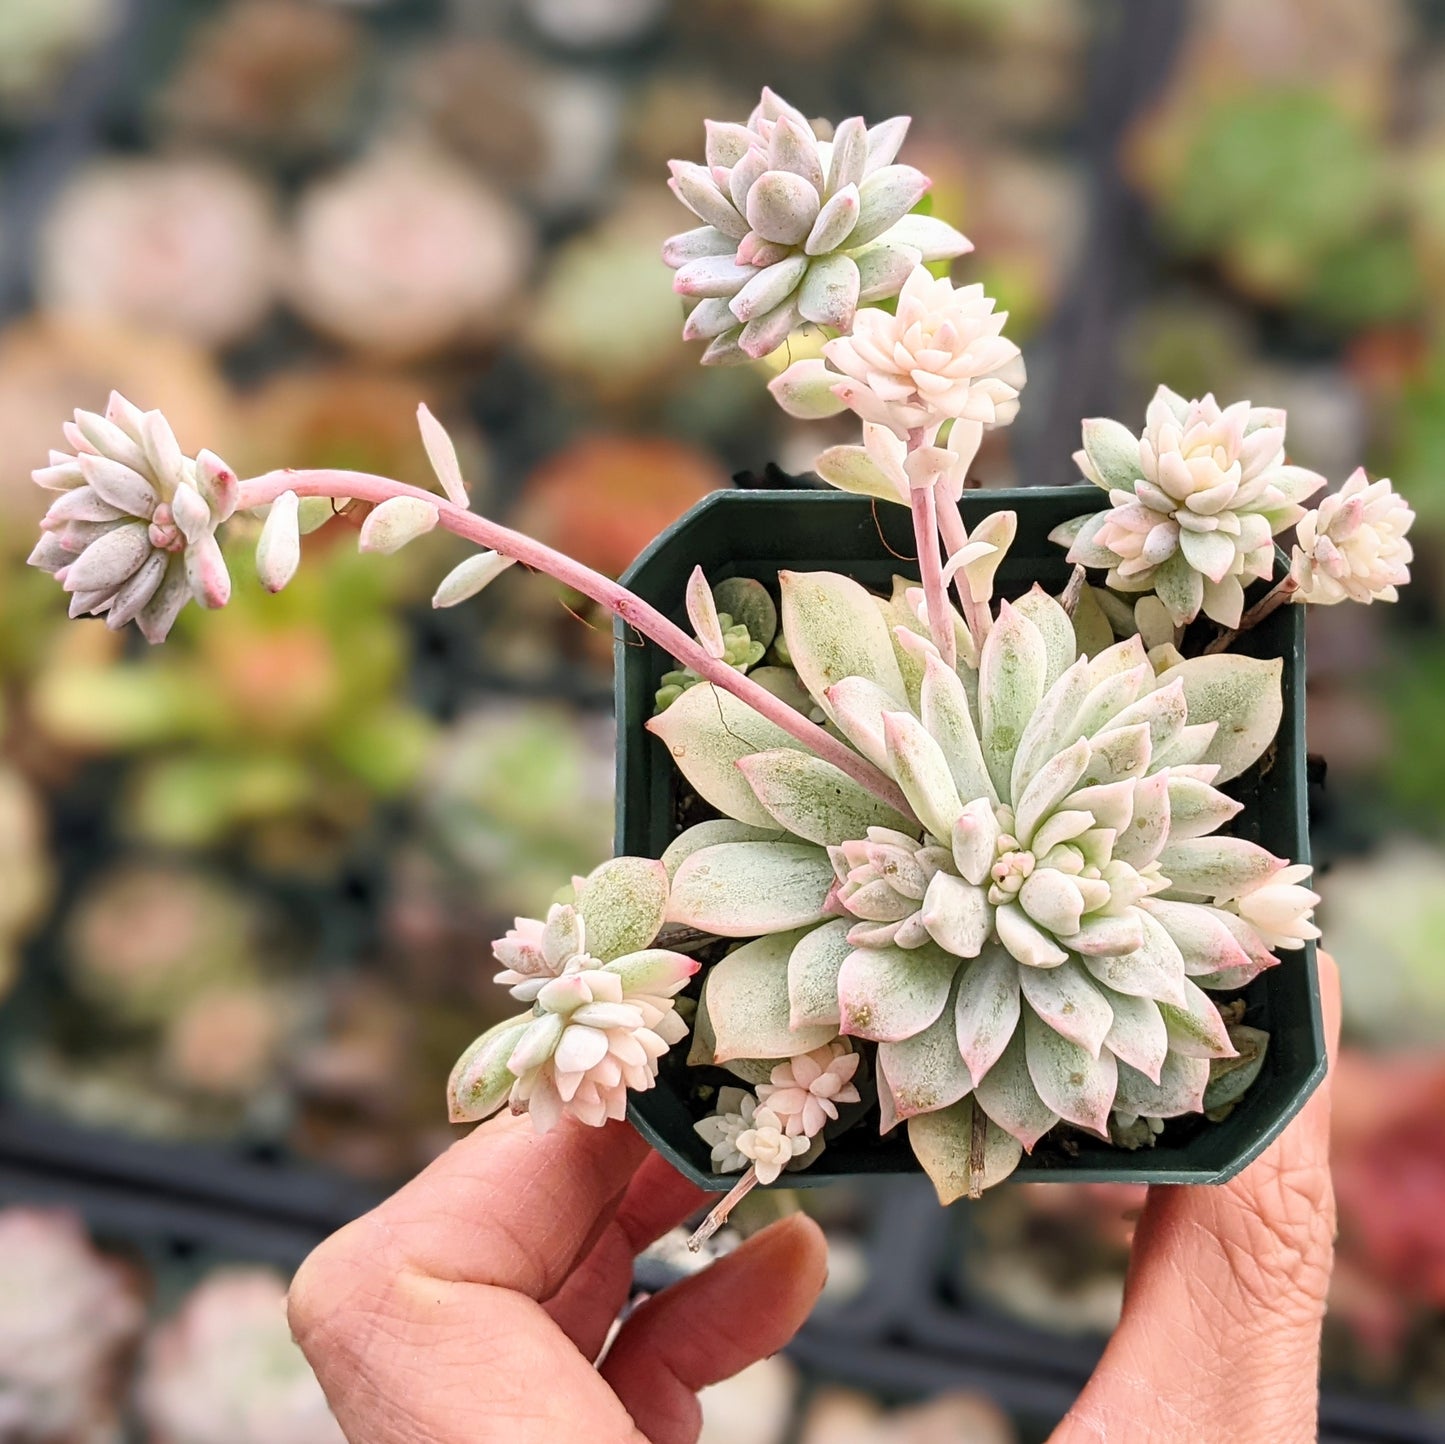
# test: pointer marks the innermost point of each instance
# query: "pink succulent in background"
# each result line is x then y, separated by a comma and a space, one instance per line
131, 534
189, 247
941, 357
68, 1317
1353, 547
797, 228
407, 253
225, 1370
1196, 503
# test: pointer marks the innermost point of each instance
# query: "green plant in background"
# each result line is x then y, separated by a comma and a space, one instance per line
1289, 191
279, 726
25, 866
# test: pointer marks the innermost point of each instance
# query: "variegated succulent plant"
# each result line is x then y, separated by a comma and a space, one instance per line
972, 869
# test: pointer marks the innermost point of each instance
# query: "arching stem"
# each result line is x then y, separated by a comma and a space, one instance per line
930, 567
362, 486
955, 537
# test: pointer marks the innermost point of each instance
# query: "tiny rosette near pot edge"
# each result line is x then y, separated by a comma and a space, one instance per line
1033, 942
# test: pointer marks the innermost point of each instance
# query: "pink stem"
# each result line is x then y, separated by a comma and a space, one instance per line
955, 538
930, 567
362, 486
1275, 598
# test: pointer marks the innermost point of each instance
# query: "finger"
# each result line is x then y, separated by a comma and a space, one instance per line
502, 1207
743, 1308
659, 1198
1226, 1294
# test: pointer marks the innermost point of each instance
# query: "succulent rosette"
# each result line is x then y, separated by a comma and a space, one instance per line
1353, 548
1033, 935
131, 533
796, 228
603, 1009
1195, 503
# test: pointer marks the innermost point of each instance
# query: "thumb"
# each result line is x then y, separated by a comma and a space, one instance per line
1220, 1333
710, 1326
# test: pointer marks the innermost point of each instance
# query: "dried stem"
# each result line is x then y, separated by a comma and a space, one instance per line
1270, 602
363, 486
719, 1215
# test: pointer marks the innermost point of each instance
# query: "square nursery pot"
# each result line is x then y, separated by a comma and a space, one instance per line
757, 534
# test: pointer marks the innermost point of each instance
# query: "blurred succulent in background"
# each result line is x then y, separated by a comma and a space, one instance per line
279, 726
406, 254
224, 1370
796, 228
838, 1415
518, 795
1385, 915
38, 43
605, 317
186, 247
1197, 500
274, 76
68, 1319
593, 24
26, 867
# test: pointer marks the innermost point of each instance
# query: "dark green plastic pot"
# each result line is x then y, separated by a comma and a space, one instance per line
759, 533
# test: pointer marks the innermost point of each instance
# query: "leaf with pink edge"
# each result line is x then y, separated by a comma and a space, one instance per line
924, 1072
481, 1080
1196, 1029
1216, 867
890, 993
1073, 1084
1137, 1036
1201, 933
707, 730
747, 1004
986, 1012
1155, 969
1009, 1097
1012, 669
1067, 999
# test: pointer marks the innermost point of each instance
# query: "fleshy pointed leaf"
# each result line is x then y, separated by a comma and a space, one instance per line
1153, 970
1137, 1036
468, 578
622, 904
481, 1080
1196, 1029
742, 889
962, 1150
1201, 933
278, 550
1008, 1095
1011, 686
834, 630
889, 993
956, 914
1055, 627
1073, 1084
395, 522
442, 454
814, 800
919, 767
747, 1004
1068, 1001
1216, 867
925, 1072
948, 718
813, 968
1113, 452
987, 1009
702, 613
712, 832
707, 730
1243, 695
1180, 1088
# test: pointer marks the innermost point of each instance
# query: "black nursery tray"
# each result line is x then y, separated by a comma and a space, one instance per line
757, 534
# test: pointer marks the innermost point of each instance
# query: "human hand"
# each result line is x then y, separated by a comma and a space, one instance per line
1220, 1335
469, 1308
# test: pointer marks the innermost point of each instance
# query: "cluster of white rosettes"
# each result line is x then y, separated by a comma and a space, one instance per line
131, 534
1195, 503
941, 357
744, 1133
603, 1005
1353, 548
784, 1121
797, 228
